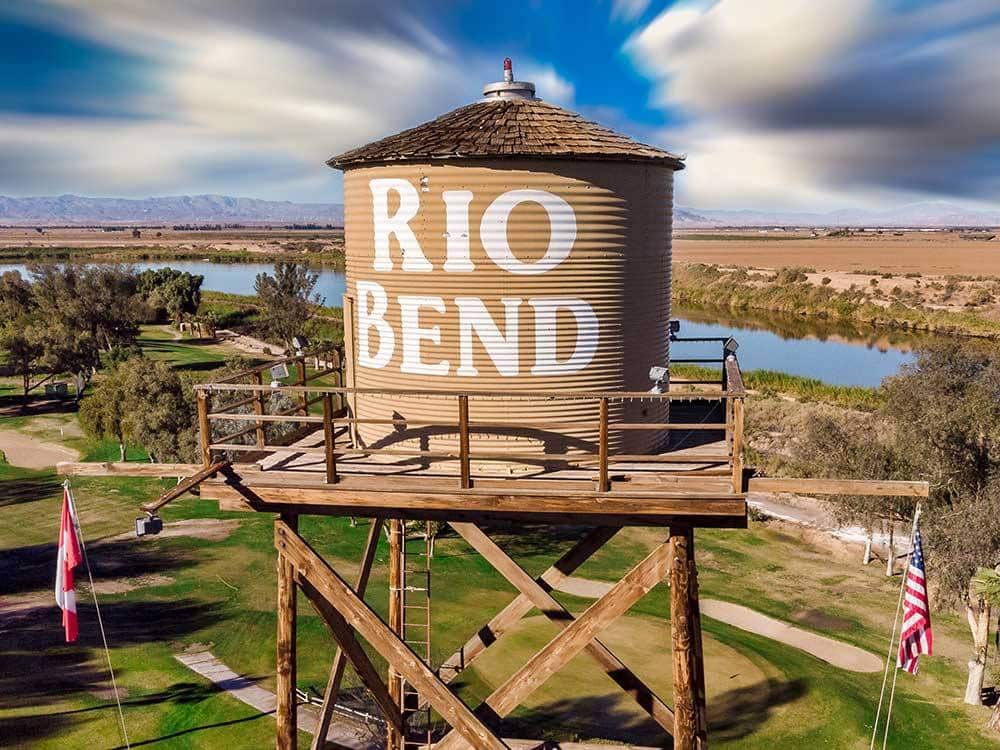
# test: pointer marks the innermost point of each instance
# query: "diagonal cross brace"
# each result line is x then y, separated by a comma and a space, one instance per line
337, 669
570, 641
522, 604
543, 600
344, 635
359, 616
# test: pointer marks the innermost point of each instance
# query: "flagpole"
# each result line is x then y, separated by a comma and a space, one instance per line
895, 672
97, 609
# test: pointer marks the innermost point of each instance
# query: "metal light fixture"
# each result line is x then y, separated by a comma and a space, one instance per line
148, 525
660, 377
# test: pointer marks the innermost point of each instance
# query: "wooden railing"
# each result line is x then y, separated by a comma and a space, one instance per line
337, 420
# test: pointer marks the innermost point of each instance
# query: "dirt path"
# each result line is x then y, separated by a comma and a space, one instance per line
245, 690
31, 453
831, 651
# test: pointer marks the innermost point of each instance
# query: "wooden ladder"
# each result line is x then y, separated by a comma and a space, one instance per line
415, 565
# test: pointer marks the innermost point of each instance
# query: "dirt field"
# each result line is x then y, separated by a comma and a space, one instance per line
919, 252
258, 240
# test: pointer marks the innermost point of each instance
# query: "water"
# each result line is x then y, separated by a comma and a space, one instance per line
834, 354
232, 278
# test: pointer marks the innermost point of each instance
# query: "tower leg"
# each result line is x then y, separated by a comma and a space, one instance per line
685, 625
286, 662
394, 740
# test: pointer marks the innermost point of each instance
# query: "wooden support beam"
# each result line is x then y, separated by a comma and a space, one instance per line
737, 449
570, 641
184, 486
522, 605
643, 507
394, 739
204, 427
286, 714
328, 439
369, 676
602, 447
463, 441
259, 409
339, 660
876, 487
370, 626
624, 677
688, 694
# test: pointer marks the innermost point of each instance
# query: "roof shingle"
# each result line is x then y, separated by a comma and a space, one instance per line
505, 127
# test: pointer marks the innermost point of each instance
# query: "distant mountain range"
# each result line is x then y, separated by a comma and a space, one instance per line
927, 214
174, 209
225, 209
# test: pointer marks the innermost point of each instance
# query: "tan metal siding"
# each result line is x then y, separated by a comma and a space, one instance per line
619, 264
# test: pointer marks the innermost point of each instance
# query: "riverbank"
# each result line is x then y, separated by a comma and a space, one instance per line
955, 305
220, 245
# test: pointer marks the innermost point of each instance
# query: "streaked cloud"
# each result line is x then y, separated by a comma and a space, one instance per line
804, 102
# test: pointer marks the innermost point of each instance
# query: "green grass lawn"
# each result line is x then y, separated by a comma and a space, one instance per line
162, 595
220, 594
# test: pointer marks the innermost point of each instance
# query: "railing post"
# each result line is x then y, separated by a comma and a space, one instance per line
331, 461
300, 365
259, 410
463, 441
738, 444
602, 447
204, 428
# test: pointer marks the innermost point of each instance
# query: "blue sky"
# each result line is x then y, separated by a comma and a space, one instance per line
776, 103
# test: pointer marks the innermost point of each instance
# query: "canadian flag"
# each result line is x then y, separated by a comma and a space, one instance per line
67, 559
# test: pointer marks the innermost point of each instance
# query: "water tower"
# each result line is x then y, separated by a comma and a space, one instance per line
508, 245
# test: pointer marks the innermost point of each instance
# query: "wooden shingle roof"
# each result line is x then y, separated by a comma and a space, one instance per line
494, 128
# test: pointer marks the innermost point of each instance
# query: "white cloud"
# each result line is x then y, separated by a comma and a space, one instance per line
798, 103
275, 90
628, 10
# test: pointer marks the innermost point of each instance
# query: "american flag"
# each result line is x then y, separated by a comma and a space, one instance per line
916, 637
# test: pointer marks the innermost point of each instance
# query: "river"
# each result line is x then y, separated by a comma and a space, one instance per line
834, 354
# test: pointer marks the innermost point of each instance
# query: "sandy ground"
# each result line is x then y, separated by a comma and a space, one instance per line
833, 652
212, 529
918, 252
31, 453
253, 240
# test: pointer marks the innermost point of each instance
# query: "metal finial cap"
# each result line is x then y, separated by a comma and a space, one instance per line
509, 88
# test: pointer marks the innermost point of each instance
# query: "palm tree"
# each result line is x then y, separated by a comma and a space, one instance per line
986, 584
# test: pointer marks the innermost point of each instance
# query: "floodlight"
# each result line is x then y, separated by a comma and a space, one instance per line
150, 524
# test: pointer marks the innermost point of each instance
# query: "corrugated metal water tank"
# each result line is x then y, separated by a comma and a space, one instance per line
509, 245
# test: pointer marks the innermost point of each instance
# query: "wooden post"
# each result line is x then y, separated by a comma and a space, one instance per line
331, 460
259, 409
602, 448
339, 659
463, 441
300, 366
394, 740
286, 663
738, 445
689, 732
350, 379
204, 428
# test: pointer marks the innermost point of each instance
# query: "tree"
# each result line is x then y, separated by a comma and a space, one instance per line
147, 403
986, 584
23, 345
170, 294
288, 301
940, 422
102, 413
858, 445
99, 300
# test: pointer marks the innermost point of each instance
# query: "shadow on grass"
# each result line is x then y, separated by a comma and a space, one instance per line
739, 713
38, 668
733, 715
13, 404
24, 730
28, 489
32, 568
